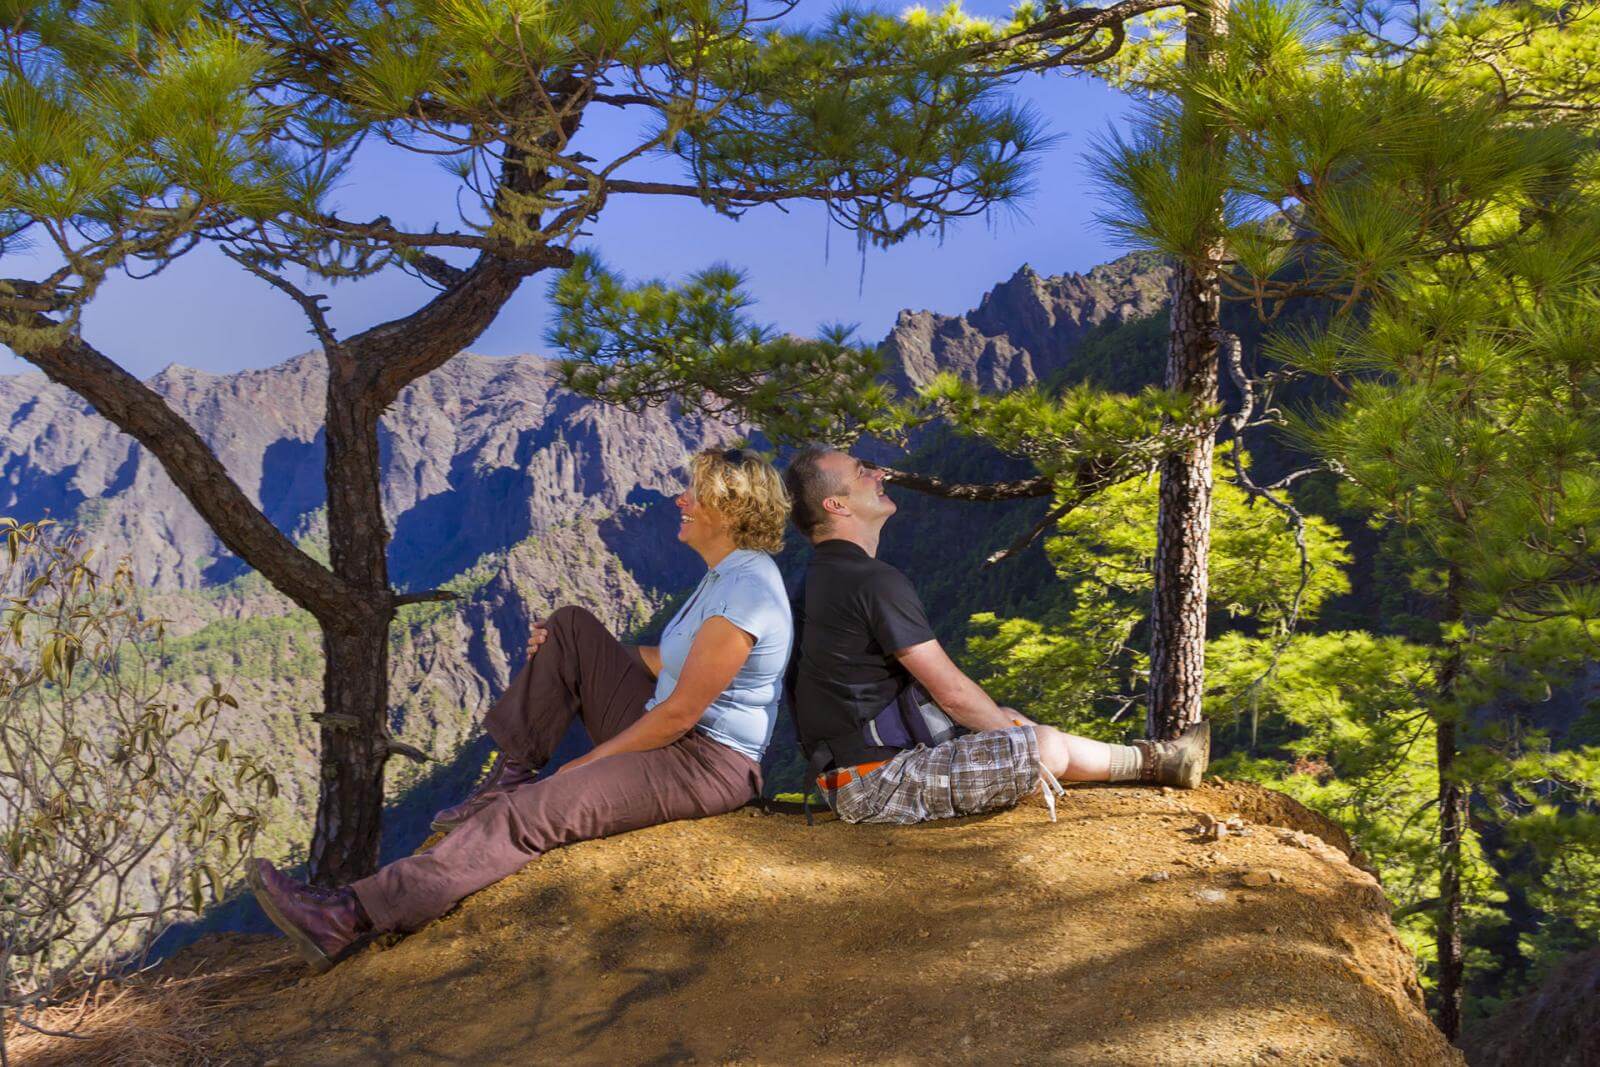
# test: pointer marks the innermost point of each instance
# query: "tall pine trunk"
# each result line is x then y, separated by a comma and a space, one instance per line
344, 845
1183, 536
1452, 821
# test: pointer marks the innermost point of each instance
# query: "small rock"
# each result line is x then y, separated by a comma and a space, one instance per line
1156, 876
1256, 879
1211, 896
1276, 877
1166, 790
922, 933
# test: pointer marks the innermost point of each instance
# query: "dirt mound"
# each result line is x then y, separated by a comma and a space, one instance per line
1558, 1025
1118, 935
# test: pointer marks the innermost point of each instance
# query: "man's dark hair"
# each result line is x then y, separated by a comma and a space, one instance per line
808, 486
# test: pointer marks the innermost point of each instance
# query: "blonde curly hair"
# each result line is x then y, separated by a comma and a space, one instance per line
746, 490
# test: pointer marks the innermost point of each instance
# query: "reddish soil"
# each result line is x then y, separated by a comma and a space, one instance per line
1117, 935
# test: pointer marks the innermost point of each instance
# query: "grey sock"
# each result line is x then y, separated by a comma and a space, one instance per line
1126, 763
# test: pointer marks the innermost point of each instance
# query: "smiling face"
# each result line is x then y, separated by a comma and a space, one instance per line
700, 526
860, 490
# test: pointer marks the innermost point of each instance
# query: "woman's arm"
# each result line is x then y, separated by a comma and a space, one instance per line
719, 650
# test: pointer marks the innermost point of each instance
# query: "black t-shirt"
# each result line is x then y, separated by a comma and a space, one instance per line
854, 613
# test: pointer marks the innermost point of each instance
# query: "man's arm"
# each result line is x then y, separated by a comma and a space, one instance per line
960, 697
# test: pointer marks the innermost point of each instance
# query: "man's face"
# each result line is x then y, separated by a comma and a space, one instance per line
860, 487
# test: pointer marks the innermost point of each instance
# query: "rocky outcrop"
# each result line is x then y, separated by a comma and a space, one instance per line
1116, 935
1025, 329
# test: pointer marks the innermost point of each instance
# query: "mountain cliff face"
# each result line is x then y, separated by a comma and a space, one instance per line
482, 453
477, 456
1026, 329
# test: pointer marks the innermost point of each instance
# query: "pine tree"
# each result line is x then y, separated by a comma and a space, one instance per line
1461, 228
130, 134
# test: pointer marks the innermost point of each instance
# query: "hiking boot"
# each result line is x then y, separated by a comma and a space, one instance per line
1179, 762
321, 923
504, 775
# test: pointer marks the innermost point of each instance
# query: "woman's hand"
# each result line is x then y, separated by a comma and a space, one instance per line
541, 632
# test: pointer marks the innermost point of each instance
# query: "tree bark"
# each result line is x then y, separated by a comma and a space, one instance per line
1183, 534
1183, 531
355, 686
1452, 816
355, 692
1452, 820
142, 413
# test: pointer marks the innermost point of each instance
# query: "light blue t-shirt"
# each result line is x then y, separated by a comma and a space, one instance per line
747, 590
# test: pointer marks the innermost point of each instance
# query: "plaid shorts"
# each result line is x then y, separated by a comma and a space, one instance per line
972, 773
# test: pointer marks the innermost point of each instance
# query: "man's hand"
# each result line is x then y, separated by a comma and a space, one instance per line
541, 632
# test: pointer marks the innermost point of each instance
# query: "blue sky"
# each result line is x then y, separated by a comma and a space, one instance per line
205, 312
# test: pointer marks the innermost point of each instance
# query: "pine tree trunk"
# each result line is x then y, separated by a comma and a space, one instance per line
1452, 820
1183, 535
1452, 816
355, 688
344, 846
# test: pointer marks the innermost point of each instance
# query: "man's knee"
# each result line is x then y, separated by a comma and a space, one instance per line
1055, 754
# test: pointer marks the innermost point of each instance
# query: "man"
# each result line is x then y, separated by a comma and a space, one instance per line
865, 647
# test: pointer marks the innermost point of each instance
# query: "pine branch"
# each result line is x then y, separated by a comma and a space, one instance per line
310, 303
141, 413
432, 596
1021, 489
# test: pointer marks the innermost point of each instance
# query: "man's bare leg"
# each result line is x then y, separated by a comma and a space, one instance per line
1078, 759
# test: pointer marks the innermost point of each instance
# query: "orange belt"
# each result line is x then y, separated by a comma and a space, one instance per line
838, 778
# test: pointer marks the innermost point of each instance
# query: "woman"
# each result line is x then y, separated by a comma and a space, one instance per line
679, 729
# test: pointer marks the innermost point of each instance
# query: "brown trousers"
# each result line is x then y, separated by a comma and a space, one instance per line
580, 670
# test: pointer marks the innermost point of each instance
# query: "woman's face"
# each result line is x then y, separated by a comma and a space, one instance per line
699, 524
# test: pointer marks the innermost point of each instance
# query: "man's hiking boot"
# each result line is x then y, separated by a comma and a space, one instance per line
504, 775
321, 923
1179, 762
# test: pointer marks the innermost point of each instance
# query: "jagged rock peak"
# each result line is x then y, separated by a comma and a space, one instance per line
1027, 327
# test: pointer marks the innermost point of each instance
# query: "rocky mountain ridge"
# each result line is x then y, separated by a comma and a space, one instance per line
481, 453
